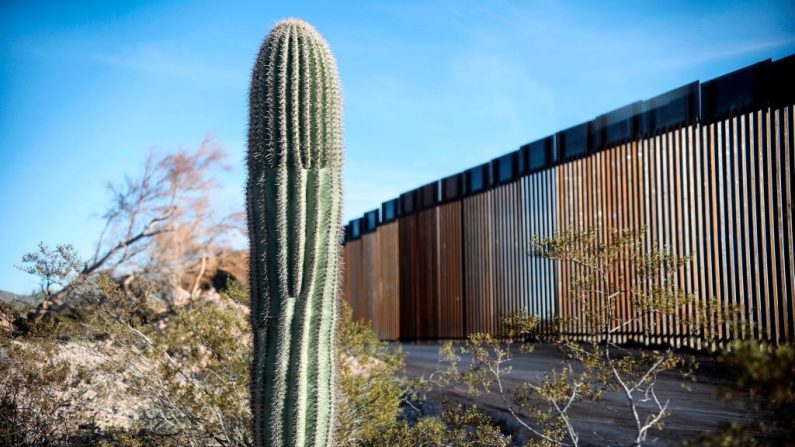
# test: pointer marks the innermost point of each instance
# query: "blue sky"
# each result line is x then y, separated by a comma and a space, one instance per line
430, 88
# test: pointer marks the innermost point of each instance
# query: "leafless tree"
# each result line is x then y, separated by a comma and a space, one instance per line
160, 224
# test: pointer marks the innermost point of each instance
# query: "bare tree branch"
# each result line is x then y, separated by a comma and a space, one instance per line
160, 223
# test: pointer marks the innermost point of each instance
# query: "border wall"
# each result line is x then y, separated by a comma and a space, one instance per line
707, 168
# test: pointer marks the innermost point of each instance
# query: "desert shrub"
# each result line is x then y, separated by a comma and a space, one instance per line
767, 372
185, 370
374, 398
187, 367
38, 392
456, 426
369, 386
728, 435
606, 271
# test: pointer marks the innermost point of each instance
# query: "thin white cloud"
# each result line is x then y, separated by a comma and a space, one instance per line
161, 60
696, 58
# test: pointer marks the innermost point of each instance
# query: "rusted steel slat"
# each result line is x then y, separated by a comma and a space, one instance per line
736, 228
562, 218
764, 245
689, 210
408, 277
669, 222
741, 199
346, 274
712, 231
354, 269
427, 273
770, 205
579, 211
369, 284
657, 218
639, 220
478, 260
699, 263
647, 203
499, 214
780, 231
626, 181
388, 295
678, 229
599, 209
787, 148
756, 224
450, 265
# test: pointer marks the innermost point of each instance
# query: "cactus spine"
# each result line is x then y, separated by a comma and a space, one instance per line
293, 199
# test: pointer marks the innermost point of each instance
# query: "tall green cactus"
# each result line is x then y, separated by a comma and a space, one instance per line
294, 197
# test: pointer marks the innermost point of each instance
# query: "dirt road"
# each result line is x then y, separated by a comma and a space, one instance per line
608, 422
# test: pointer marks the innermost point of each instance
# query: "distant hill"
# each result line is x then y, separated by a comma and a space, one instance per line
9, 297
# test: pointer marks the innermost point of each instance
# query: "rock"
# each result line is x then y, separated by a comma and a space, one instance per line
7, 317
178, 296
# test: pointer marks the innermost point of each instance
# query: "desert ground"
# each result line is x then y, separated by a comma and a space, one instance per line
608, 422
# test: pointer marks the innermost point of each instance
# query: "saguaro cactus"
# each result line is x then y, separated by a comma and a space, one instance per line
294, 201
